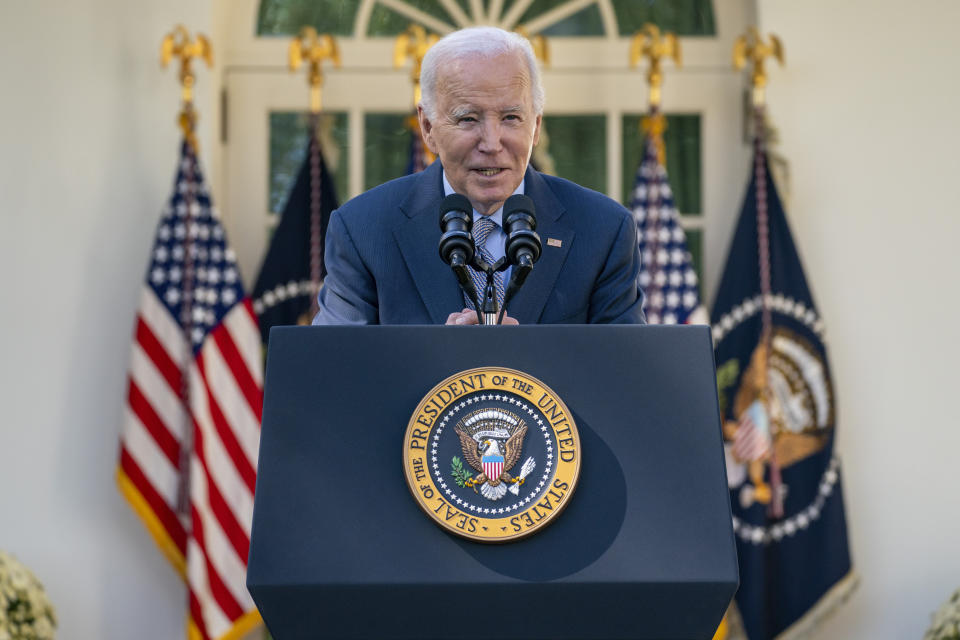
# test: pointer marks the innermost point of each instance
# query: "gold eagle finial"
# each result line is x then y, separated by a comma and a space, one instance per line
178, 44
413, 44
750, 47
313, 48
650, 43
541, 50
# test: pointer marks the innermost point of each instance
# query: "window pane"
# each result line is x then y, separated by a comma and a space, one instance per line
386, 22
386, 147
683, 17
586, 22
682, 142
286, 17
288, 150
577, 146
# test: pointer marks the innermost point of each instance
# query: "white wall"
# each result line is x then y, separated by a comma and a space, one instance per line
867, 108
88, 147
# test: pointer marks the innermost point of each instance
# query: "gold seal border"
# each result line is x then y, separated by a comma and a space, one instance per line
567, 473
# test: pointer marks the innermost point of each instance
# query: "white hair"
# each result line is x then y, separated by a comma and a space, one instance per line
483, 42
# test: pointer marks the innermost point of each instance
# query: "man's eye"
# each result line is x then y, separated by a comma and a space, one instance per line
466, 119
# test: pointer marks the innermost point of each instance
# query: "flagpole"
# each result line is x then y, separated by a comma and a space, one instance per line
314, 48
751, 47
649, 43
178, 44
413, 45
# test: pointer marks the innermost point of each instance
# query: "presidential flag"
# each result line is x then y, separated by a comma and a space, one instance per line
779, 423
191, 432
286, 289
666, 266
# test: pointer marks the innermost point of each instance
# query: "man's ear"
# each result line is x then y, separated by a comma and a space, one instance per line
536, 129
426, 129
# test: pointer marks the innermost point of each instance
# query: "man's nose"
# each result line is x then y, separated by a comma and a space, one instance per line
490, 135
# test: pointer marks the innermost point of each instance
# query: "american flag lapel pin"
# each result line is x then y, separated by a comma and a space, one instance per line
554, 242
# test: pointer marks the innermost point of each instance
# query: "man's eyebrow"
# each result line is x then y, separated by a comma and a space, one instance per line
466, 110
461, 111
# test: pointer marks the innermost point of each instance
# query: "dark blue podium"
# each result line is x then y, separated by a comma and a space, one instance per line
340, 549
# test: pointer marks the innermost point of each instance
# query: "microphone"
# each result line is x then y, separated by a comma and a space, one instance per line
456, 223
456, 243
523, 246
520, 223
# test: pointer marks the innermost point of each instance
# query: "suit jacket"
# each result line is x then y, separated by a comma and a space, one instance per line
383, 265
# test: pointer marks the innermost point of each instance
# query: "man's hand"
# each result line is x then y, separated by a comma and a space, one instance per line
469, 316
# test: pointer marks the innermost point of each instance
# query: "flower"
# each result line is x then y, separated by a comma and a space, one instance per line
26, 612
946, 621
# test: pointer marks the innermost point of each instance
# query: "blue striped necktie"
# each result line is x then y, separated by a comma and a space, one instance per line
483, 226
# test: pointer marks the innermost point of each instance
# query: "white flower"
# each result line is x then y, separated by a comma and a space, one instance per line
25, 611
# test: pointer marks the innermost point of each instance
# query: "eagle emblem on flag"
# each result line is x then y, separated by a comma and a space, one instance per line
492, 441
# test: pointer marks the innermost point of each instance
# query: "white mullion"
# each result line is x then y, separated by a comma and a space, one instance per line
355, 128
609, 18
363, 19
476, 8
549, 18
614, 154
417, 15
455, 12
517, 10
496, 8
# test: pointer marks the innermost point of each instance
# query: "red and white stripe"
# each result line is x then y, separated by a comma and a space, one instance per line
225, 382
492, 469
749, 443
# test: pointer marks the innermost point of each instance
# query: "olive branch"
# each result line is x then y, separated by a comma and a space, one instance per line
460, 475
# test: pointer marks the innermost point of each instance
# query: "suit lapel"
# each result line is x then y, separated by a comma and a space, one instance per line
527, 306
417, 235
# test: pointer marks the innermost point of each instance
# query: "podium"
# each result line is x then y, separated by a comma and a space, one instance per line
340, 548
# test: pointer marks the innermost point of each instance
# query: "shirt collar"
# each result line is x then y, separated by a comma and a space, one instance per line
496, 216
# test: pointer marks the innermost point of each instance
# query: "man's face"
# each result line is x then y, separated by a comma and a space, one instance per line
485, 127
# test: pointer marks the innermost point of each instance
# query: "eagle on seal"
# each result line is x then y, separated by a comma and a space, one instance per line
492, 464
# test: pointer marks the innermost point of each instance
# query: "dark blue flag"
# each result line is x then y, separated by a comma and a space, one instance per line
778, 407
420, 156
287, 286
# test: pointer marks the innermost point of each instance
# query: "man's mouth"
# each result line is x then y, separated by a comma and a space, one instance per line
488, 172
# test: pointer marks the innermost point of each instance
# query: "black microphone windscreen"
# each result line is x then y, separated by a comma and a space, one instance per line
519, 202
455, 202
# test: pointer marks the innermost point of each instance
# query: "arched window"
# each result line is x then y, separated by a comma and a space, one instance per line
554, 18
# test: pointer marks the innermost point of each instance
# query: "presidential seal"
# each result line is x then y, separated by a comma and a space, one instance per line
492, 454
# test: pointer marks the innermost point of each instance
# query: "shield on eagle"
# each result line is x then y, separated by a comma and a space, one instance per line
492, 464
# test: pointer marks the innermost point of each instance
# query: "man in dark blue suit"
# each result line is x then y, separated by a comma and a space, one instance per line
481, 113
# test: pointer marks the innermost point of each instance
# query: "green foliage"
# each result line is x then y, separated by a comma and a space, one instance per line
460, 475
727, 374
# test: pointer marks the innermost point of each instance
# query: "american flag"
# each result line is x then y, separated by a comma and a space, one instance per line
188, 451
666, 273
